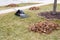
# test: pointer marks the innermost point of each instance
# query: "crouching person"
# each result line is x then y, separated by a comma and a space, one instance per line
21, 14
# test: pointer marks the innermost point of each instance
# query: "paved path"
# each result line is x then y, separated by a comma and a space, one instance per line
21, 8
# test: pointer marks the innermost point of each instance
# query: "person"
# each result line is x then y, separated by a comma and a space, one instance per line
19, 12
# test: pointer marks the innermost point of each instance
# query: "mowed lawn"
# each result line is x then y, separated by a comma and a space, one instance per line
18, 5
15, 28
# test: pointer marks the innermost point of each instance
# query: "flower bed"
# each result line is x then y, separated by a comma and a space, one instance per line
50, 15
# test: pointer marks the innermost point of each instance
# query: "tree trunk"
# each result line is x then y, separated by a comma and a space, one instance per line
54, 6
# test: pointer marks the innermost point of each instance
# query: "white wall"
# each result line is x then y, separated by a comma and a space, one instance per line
5, 2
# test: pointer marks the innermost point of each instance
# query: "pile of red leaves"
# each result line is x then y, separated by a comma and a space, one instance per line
12, 5
34, 8
44, 27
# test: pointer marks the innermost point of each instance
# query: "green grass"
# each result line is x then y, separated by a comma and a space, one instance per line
15, 28
18, 5
26, 4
